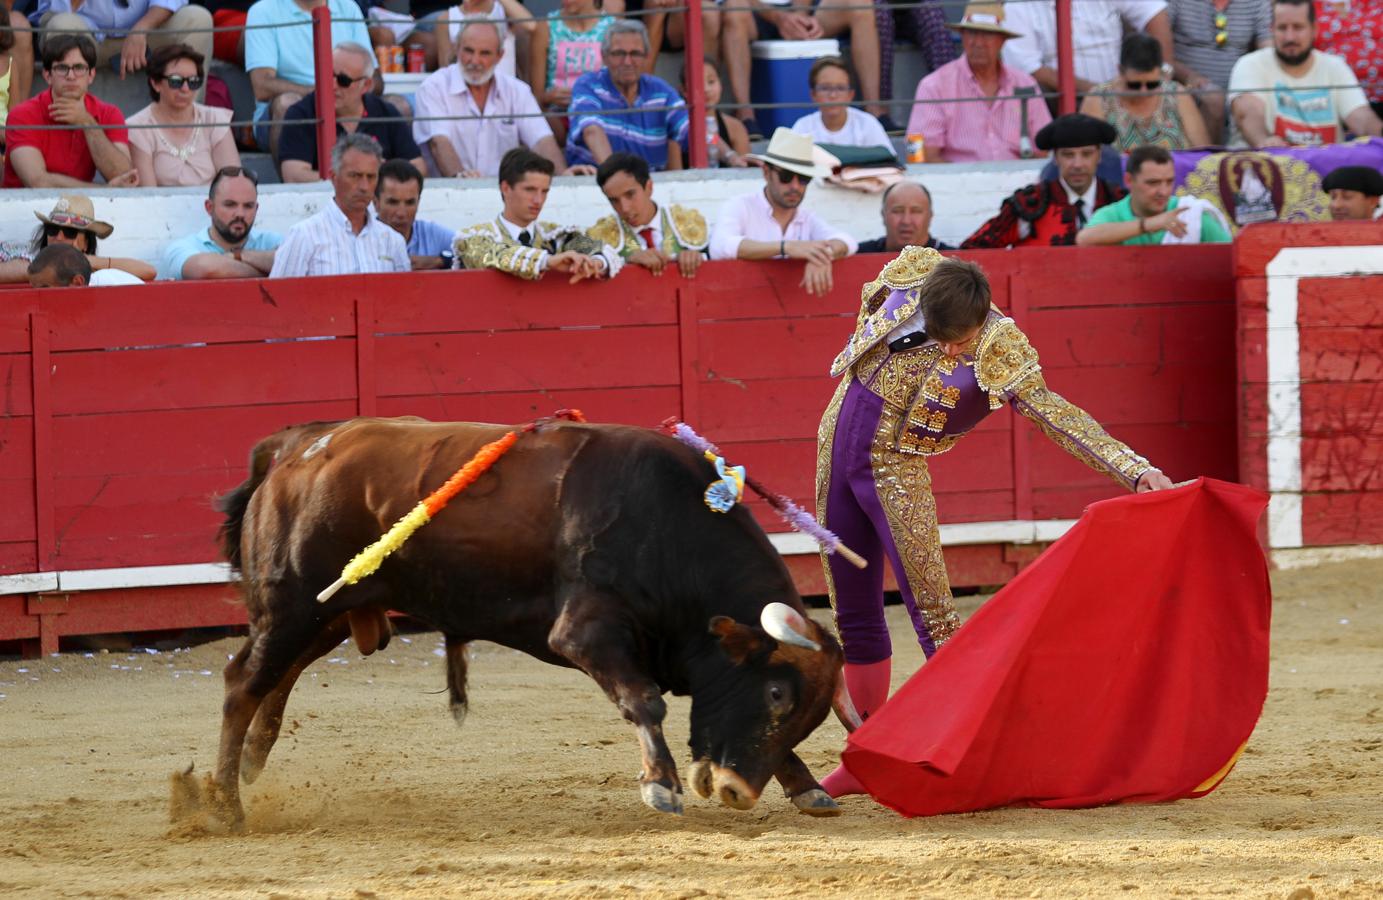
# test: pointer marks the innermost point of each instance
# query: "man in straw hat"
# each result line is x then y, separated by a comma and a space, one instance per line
768, 224
72, 221
1354, 192
930, 357
975, 107
1049, 213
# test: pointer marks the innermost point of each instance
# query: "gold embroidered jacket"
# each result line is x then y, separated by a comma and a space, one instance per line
937, 399
682, 228
489, 245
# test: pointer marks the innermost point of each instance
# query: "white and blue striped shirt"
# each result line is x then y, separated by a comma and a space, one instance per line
325, 244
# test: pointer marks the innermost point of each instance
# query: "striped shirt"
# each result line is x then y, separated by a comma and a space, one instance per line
1248, 24
1097, 29
643, 133
325, 244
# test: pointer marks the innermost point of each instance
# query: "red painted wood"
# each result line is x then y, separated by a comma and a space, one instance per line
1352, 517
365, 379
1341, 302
1256, 245
16, 392
42, 432
690, 363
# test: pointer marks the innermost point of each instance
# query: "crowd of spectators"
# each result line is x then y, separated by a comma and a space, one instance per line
521, 99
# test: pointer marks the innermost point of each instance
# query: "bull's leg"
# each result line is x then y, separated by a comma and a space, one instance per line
595, 639
456, 677
264, 730
802, 789
250, 676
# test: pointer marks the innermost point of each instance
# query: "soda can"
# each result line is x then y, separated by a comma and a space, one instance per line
417, 59
917, 148
395, 58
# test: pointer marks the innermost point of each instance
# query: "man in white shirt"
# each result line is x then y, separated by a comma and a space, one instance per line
836, 121
518, 243
346, 237
1097, 31
769, 224
1292, 94
472, 147
63, 265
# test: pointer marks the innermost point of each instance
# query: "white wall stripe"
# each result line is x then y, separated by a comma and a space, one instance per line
1285, 271
788, 544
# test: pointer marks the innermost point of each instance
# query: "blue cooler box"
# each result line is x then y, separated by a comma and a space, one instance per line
779, 75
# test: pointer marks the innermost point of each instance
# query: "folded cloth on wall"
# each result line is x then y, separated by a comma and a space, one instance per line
1196, 210
867, 169
1128, 664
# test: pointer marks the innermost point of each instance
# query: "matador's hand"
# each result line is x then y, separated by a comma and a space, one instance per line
1153, 480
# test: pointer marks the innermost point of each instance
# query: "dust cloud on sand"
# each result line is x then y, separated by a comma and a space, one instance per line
373, 791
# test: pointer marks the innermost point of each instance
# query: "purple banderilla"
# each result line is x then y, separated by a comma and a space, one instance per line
790, 512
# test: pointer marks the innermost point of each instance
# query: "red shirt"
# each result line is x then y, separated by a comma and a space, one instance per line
65, 152
1353, 29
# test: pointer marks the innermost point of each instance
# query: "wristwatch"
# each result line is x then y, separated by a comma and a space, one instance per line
448, 259
236, 254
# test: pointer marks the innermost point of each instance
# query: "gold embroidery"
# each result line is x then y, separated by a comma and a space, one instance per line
689, 226
1004, 359
910, 268
904, 487
949, 396
825, 438
1072, 429
932, 387
608, 231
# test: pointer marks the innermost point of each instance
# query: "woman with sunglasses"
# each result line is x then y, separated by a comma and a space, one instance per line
189, 141
1145, 106
73, 221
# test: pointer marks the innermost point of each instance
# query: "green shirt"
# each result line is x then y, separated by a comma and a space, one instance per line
1212, 232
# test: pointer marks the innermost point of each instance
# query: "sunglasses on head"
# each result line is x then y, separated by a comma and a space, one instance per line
345, 81
787, 177
176, 82
51, 231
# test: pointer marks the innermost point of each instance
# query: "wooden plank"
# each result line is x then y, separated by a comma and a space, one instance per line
18, 557
437, 302
771, 348
1341, 352
536, 360
1123, 395
15, 622
635, 405
224, 375
1191, 333
1350, 302
1344, 463
1342, 518
16, 389
1084, 276
1256, 245
177, 312
42, 434
690, 362
365, 378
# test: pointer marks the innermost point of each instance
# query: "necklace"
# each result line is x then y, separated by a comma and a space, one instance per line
185, 151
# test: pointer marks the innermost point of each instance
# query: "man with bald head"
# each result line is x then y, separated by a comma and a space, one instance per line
907, 212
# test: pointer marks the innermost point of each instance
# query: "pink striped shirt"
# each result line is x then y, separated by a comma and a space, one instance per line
967, 129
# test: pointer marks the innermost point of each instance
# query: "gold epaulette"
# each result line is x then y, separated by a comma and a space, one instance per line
1004, 359
607, 231
909, 268
690, 227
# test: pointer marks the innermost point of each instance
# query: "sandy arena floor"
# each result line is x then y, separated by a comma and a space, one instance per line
374, 792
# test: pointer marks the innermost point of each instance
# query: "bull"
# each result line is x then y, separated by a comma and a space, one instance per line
586, 546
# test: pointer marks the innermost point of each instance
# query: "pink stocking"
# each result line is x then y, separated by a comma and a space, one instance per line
868, 687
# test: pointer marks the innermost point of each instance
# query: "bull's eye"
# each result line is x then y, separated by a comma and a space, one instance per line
779, 698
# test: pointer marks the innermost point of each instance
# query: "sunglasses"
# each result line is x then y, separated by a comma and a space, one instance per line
786, 177
176, 82
1143, 85
345, 81
1221, 30
51, 231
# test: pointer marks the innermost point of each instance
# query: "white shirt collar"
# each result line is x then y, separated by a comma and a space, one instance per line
335, 211
515, 229
1088, 196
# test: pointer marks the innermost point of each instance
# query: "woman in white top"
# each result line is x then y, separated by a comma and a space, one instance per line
191, 141
838, 122
518, 20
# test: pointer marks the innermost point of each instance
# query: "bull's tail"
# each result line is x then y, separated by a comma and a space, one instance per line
234, 504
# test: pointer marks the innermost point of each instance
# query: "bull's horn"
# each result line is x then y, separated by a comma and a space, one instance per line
786, 625
844, 707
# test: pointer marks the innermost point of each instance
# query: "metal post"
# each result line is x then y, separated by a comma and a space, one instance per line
325, 89
696, 87
1065, 59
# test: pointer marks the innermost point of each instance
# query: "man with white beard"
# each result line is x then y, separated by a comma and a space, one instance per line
448, 103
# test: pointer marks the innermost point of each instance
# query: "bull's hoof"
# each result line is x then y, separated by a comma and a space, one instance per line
702, 778
816, 802
661, 798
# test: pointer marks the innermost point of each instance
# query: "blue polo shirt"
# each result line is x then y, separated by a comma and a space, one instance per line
288, 50
429, 238
643, 133
176, 254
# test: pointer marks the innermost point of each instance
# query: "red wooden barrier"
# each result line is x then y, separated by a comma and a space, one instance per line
124, 410
1311, 380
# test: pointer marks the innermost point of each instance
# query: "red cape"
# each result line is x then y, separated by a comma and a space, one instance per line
1128, 664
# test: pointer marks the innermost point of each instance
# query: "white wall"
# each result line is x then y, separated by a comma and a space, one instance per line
964, 195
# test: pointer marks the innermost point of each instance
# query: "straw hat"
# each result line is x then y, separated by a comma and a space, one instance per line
76, 211
988, 17
794, 152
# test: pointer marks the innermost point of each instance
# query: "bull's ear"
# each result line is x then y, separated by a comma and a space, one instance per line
738, 641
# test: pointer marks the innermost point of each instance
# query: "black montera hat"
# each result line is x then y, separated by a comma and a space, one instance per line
1075, 130
1364, 179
